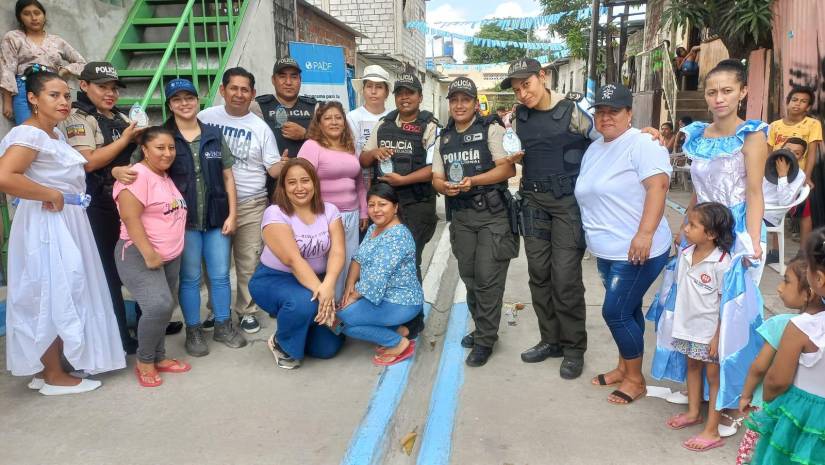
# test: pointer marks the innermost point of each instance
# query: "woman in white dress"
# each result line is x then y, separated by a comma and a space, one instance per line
58, 302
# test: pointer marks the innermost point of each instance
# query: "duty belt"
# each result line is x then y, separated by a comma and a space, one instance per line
559, 184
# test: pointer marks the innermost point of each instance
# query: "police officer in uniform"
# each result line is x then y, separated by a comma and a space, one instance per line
554, 131
287, 113
106, 138
403, 141
471, 168
400, 151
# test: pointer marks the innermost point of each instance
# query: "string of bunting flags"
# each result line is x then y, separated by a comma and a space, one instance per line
481, 41
531, 22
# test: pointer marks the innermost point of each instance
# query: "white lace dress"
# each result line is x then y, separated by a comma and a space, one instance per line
56, 285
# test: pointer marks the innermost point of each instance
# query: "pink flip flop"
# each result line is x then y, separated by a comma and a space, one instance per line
407, 353
681, 422
706, 444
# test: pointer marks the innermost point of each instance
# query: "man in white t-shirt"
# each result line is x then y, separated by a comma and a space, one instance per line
256, 153
375, 87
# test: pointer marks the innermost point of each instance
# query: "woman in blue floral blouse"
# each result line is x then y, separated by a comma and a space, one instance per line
382, 290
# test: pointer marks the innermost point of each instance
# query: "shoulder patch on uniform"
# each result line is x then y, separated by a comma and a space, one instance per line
75, 130
574, 96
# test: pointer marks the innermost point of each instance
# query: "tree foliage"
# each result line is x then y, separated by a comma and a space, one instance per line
569, 27
477, 54
742, 25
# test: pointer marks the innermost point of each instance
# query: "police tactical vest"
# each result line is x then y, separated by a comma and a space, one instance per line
99, 183
301, 113
550, 148
182, 173
468, 153
410, 154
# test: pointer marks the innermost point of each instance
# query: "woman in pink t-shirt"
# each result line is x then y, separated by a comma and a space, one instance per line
331, 150
153, 223
300, 264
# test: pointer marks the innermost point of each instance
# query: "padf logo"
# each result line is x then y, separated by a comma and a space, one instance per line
705, 278
318, 65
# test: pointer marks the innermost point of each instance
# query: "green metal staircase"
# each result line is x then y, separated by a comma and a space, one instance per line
165, 39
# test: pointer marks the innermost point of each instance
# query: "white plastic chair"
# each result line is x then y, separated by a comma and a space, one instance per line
780, 228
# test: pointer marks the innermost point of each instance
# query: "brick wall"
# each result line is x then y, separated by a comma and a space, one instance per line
382, 21
316, 29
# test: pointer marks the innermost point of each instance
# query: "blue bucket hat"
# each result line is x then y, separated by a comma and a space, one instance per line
179, 85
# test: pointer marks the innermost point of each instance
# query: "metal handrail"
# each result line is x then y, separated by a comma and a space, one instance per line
172, 47
670, 85
233, 29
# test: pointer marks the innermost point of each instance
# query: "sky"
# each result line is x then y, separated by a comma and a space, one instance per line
470, 10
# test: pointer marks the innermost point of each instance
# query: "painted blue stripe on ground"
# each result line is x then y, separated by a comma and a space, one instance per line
675, 206
367, 444
437, 441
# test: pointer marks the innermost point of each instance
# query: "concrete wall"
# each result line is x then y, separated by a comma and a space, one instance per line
254, 47
72, 20
383, 22
572, 76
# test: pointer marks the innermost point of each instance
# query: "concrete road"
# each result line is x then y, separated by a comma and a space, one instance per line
236, 407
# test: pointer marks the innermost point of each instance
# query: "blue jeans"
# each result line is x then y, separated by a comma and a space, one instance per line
20, 103
212, 247
283, 297
625, 285
376, 323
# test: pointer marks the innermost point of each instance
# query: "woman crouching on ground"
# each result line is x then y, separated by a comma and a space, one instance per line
382, 289
304, 254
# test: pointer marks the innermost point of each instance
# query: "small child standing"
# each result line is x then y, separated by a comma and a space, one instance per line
792, 422
701, 270
796, 294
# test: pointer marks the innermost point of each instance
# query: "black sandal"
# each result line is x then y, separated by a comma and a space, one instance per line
624, 397
603, 381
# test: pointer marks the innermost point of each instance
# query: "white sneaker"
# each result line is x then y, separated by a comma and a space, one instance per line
677, 397
36, 383
85, 385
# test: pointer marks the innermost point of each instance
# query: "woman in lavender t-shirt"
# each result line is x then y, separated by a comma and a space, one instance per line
300, 264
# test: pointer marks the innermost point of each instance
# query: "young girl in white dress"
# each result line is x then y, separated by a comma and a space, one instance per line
57, 302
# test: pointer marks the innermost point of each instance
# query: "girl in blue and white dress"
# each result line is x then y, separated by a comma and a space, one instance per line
58, 301
727, 166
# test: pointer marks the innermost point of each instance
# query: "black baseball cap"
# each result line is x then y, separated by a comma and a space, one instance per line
521, 69
285, 62
408, 81
770, 166
462, 85
100, 72
613, 95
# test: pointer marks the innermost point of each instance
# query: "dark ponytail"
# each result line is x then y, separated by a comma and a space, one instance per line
717, 220
815, 250
152, 132
730, 66
36, 77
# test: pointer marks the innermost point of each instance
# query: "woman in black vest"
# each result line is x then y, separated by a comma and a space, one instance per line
202, 172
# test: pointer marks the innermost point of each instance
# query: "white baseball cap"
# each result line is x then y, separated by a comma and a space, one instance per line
374, 73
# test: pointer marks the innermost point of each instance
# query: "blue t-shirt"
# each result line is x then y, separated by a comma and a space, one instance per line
388, 267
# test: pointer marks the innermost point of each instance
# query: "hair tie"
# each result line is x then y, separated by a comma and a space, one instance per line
36, 68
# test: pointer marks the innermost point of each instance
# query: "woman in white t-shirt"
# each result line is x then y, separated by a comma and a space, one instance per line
375, 89
621, 191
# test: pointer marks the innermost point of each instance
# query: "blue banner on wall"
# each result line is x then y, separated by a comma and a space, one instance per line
323, 71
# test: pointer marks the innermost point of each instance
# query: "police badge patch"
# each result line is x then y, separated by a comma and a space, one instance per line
75, 130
